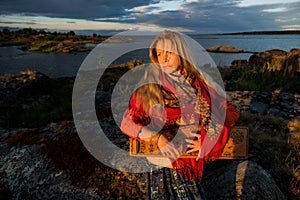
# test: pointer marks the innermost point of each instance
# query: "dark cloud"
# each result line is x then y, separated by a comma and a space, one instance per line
225, 16
208, 16
78, 9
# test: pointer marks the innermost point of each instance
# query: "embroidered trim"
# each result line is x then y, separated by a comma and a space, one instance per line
214, 128
203, 109
208, 120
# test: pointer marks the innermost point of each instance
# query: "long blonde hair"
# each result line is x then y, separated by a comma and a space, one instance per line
151, 93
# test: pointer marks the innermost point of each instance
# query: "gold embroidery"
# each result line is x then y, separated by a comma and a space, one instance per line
203, 109
208, 120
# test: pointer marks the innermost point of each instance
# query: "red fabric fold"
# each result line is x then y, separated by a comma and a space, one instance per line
135, 118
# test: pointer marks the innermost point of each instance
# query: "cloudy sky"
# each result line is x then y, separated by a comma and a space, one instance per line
194, 16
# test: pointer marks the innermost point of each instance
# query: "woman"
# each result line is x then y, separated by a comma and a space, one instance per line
183, 97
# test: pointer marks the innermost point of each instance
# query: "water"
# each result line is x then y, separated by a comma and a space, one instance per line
249, 43
13, 60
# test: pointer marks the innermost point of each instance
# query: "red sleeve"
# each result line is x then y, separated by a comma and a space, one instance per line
128, 126
134, 118
232, 115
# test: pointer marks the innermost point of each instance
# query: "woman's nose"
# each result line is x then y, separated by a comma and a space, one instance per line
166, 56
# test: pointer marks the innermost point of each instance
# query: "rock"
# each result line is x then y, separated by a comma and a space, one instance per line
279, 104
265, 59
264, 97
294, 126
294, 52
118, 39
244, 180
293, 61
259, 107
284, 96
66, 50
236, 64
28, 172
276, 112
276, 60
224, 49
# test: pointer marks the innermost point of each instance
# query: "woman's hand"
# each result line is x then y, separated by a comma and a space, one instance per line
167, 148
194, 145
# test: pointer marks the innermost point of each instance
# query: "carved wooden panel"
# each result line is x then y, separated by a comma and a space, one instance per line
235, 148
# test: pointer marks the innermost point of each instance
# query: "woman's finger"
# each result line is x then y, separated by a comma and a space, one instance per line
189, 141
194, 135
199, 155
192, 150
195, 143
192, 146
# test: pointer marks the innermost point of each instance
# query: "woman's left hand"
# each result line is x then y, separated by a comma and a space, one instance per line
194, 144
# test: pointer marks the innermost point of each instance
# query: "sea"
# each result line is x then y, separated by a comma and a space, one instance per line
14, 60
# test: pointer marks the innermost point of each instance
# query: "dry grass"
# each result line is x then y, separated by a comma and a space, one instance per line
293, 158
276, 148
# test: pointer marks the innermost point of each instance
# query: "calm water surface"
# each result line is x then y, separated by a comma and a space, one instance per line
13, 60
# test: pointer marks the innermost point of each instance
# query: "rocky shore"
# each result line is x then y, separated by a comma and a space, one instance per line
42, 157
278, 104
50, 162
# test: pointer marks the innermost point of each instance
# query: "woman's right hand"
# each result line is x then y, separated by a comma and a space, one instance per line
167, 148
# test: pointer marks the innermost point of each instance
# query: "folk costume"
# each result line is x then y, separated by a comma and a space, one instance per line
187, 100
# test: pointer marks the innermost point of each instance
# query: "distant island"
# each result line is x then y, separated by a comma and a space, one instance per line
264, 33
48, 42
29, 39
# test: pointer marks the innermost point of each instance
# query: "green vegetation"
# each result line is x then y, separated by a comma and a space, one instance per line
48, 102
47, 42
243, 78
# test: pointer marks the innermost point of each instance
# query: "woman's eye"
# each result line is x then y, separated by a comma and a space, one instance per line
169, 52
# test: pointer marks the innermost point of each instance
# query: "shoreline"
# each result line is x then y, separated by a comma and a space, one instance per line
13, 60
288, 32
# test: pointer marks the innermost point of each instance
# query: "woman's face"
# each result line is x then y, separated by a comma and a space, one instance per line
166, 56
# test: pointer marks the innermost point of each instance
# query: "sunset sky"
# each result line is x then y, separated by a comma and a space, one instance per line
192, 16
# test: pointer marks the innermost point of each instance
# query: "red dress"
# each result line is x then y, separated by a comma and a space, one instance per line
206, 111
